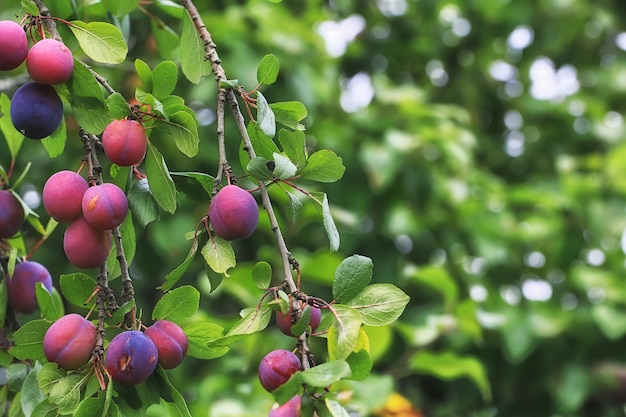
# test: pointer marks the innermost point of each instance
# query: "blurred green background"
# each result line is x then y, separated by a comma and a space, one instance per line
486, 172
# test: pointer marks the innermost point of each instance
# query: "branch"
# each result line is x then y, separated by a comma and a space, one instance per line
49, 23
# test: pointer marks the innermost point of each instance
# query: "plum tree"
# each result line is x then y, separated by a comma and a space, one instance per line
21, 285
11, 214
171, 342
49, 61
36, 110
289, 409
104, 206
124, 142
277, 367
63, 195
13, 45
69, 341
234, 213
284, 321
131, 357
84, 246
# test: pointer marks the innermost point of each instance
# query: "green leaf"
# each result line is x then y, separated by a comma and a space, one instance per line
219, 255
145, 74
171, 399
31, 394
172, 278
351, 276
290, 113
192, 52
85, 96
329, 224
177, 305
439, 279
215, 278
45, 409
284, 169
159, 179
323, 166
200, 336
48, 376
50, 303
78, 288
263, 145
262, 275
335, 409
183, 128
265, 117
119, 314
13, 138
258, 168
142, 204
117, 106
100, 41
380, 304
294, 208
29, 340
29, 7
66, 393
253, 320
447, 365
92, 406
196, 185
267, 72
360, 360
120, 7
294, 146
343, 334
167, 39
326, 374
164, 77
55, 143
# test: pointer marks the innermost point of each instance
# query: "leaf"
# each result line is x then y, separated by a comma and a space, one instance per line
13, 138
447, 365
351, 276
45, 409
196, 185
50, 303
172, 278
192, 52
258, 168
48, 376
329, 224
183, 128
262, 144
335, 409
262, 275
283, 168
326, 374
29, 340
145, 74
171, 399
253, 320
31, 394
200, 336
439, 279
265, 117
120, 7
159, 179
380, 304
167, 39
289, 114
294, 208
164, 77
85, 96
177, 305
29, 7
66, 393
323, 166
219, 255
100, 41
360, 360
78, 288
343, 334
294, 146
214, 278
143, 207
267, 72
55, 143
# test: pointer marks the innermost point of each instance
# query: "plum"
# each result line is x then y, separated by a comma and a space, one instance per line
171, 342
49, 61
13, 45
69, 341
105, 206
285, 321
84, 246
289, 409
131, 357
124, 142
63, 195
11, 214
36, 110
21, 285
277, 367
234, 213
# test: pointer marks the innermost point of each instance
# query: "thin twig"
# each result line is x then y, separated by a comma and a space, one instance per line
50, 24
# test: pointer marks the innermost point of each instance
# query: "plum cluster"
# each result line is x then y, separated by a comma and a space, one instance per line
36, 108
91, 212
233, 213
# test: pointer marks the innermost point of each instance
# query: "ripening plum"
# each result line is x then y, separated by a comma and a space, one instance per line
289, 409
63, 195
234, 213
84, 246
36, 110
69, 341
11, 214
124, 142
49, 61
171, 342
285, 321
131, 357
277, 367
21, 285
13, 45
105, 206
